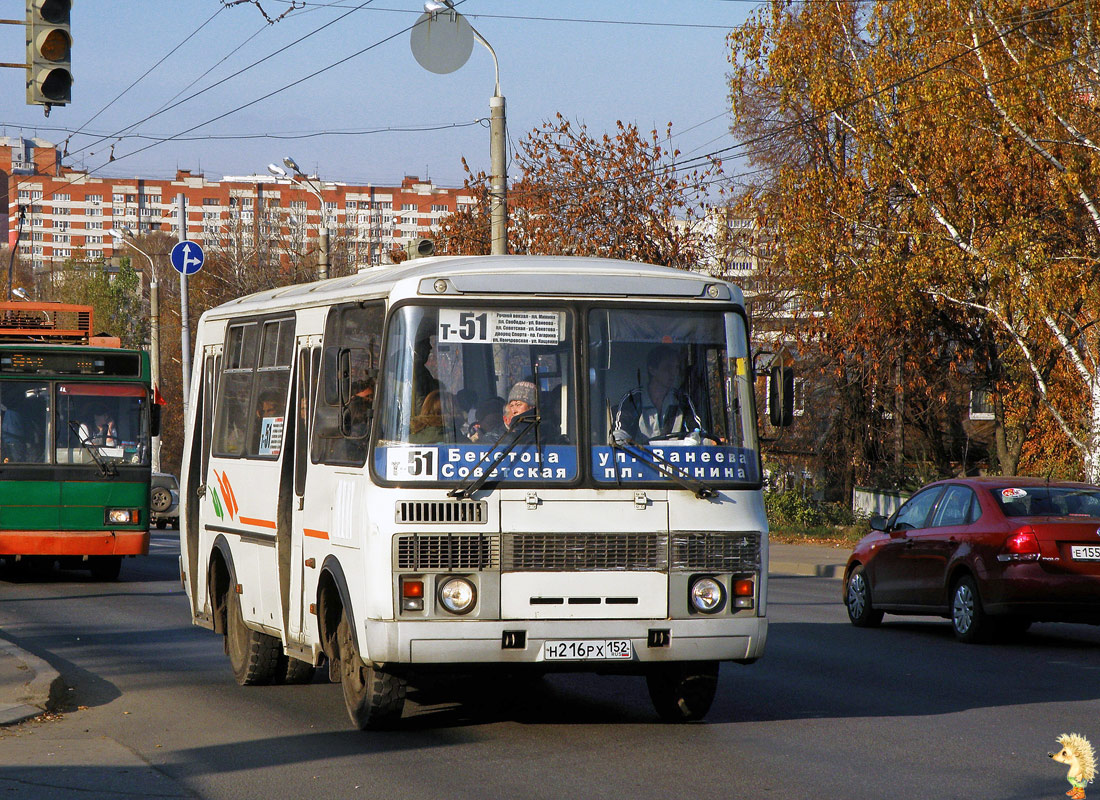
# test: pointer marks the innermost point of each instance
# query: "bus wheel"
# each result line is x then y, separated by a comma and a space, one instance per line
374, 699
682, 692
105, 568
253, 656
292, 670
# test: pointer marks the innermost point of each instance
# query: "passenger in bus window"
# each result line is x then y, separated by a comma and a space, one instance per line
466, 408
490, 421
660, 409
521, 403
427, 426
269, 429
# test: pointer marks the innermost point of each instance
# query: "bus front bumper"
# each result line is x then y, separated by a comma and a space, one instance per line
493, 641
74, 543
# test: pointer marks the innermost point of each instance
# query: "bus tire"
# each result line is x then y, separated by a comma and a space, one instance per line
253, 656
105, 568
374, 699
293, 671
682, 691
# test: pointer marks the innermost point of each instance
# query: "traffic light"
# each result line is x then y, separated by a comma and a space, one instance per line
49, 46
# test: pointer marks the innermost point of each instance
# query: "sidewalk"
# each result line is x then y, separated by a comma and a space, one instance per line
29, 686
822, 561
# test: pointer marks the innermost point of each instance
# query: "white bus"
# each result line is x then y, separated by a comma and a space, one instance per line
537, 463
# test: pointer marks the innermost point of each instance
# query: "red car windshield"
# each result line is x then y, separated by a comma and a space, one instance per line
1048, 501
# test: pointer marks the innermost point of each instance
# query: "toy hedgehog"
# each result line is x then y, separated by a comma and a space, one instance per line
1081, 758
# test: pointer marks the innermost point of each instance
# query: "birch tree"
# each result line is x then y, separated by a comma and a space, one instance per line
939, 187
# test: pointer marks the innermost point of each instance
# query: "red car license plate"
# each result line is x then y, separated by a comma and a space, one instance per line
1085, 552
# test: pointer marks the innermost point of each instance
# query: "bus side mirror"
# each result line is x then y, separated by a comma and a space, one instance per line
781, 396
154, 420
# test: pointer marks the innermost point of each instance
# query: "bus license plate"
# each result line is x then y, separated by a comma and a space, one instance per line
1088, 552
587, 650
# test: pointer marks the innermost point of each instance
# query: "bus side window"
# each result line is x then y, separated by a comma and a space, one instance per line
211, 367
235, 395
346, 391
308, 369
267, 419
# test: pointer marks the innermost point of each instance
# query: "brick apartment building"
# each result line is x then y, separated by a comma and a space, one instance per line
67, 212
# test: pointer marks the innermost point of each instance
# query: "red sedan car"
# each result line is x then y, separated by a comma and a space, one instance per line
991, 554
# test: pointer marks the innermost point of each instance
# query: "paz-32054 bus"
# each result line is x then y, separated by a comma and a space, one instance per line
537, 463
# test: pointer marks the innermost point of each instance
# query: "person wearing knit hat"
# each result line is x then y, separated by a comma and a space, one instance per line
520, 401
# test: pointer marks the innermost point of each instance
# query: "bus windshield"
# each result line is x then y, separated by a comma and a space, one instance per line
461, 380
674, 389
110, 419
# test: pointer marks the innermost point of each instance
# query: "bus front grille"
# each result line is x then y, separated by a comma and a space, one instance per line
447, 551
443, 512
727, 551
584, 552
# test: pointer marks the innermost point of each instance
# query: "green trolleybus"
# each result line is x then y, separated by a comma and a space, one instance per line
76, 416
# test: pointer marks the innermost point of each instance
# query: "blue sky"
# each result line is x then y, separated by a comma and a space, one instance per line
648, 62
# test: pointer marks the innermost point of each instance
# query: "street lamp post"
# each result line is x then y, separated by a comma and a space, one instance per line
125, 237
322, 231
445, 49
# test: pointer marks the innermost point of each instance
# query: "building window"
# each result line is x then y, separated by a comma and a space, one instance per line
94, 198
63, 198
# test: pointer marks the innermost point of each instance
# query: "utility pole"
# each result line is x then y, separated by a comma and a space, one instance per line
498, 181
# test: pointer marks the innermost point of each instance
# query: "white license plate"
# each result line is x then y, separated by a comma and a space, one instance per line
1087, 552
587, 650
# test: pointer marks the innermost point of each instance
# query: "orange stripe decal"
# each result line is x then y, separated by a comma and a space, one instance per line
232, 494
259, 523
315, 534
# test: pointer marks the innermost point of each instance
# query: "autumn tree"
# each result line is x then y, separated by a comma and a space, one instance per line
615, 196
927, 168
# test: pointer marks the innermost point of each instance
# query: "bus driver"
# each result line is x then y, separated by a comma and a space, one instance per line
659, 410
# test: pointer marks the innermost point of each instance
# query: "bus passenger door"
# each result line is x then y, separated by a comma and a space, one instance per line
195, 487
303, 579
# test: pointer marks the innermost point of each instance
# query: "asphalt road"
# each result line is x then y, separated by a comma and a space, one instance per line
830, 712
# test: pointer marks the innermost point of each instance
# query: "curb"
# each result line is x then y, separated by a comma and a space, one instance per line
42, 690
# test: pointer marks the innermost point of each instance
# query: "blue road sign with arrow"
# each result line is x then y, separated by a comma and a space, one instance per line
187, 257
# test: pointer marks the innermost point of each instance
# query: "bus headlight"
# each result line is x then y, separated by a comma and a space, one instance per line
122, 516
707, 595
457, 595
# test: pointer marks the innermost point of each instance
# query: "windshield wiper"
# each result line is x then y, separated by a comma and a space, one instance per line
665, 467
106, 467
472, 485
